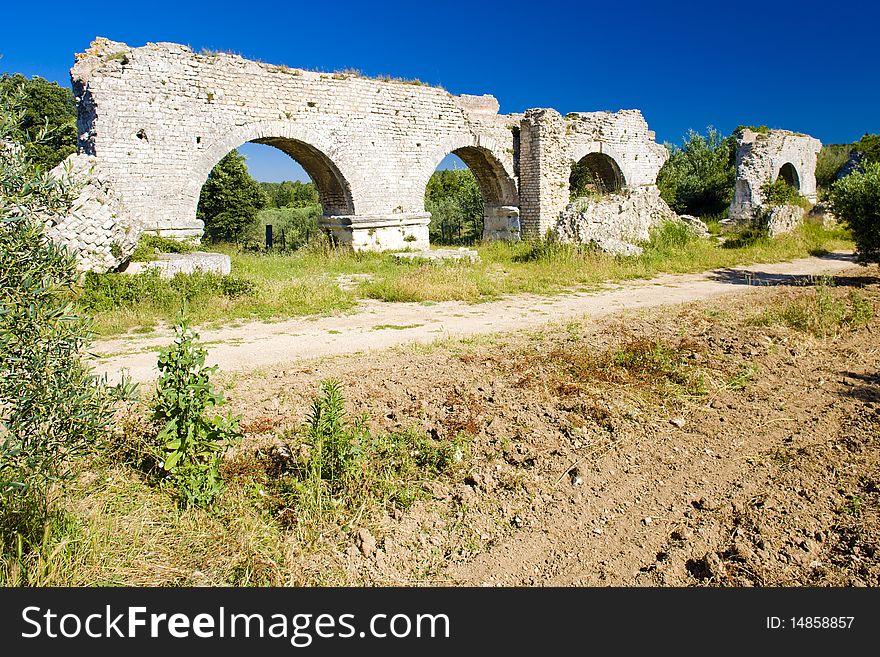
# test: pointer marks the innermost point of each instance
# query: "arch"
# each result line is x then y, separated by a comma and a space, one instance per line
317, 154
333, 191
596, 172
789, 174
496, 187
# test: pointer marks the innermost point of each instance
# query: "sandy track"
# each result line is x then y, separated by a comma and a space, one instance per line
378, 325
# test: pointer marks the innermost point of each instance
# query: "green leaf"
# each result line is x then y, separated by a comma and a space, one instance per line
171, 461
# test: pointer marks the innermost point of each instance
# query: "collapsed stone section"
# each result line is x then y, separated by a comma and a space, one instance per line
615, 222
763, 156
97, 228
551, 144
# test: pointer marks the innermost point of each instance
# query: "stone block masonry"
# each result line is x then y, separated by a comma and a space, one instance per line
154, 120
619, 142
763, 156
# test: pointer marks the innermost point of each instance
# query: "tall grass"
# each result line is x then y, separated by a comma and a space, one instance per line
821, 312
319, 279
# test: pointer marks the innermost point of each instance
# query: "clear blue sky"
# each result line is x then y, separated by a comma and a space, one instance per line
806, 66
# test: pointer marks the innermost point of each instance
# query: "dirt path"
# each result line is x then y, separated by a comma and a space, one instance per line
377, 325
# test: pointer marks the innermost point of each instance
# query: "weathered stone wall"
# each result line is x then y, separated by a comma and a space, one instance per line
156, 119
551, 143
159, 117
762, 157
98, 228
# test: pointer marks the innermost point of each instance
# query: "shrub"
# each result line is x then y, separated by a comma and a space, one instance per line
105, 292
191, 438
870, 146
856, 200
149, 245
698, 178
52, 408
829, 162
235, 287
347, 470
779, 192
670, 236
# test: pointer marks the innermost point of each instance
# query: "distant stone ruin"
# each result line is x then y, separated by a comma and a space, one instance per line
764, 156
153, 121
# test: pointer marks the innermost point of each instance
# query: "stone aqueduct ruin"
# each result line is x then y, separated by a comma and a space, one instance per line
153, 121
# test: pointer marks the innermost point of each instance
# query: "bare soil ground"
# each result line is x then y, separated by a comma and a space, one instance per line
708, 443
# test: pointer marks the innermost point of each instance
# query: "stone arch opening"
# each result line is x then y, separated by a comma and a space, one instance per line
595, 173
328, 190
319, 156
495, 185
470, 195
790, 175
333, 190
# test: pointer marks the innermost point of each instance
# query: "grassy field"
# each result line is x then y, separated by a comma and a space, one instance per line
313, 281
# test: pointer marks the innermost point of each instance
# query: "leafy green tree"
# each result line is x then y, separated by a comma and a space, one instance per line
454, 200
52, 407
698, 178
856, 200
230, 199
47, 110
291, 194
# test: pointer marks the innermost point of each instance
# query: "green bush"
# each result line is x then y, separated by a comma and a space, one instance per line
869, 145
192, 437
669, 237
779, 192
150, 245
52, 408
698, 178
829, 162
348, 470
855, 199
